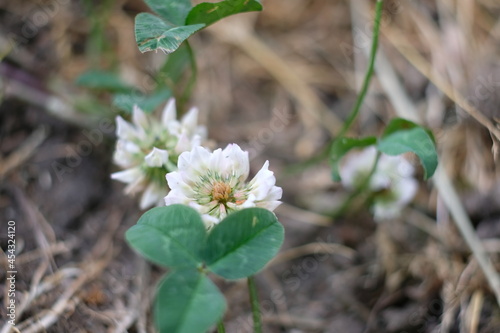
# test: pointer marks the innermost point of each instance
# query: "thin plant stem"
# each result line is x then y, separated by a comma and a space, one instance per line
220, 327
194, 74
369, 73
363, 187
254, 302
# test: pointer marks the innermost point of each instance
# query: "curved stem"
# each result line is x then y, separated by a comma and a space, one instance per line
220, 326
194, 75
254, 302
369, 72
363, 187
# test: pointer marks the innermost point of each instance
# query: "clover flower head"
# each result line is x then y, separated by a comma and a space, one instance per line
392, 183
148, 148
214, 183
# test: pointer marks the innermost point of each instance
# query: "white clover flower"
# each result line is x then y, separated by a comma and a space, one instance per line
392, 183
148, 149
215, 183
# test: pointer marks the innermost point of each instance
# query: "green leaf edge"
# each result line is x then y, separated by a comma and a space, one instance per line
275, 223
397, 125
197, 260
202, 275
344, 145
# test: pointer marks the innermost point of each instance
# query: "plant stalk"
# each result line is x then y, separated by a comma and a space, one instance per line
220, 326
369, 73
254, 302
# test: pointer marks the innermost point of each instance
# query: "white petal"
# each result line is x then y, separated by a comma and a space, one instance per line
216, 162
263, 182
176, 181
151, 196
356, 165
125, 130
190, 120
404, 189
274, 194
169, 113
196, 161
269, 205
176, 197
139, 118
127, 176
386, 210
126, 154
236, 162
156, 158
250, 202
184, 144
135, 186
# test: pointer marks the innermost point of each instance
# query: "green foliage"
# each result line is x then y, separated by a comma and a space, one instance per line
153, 33
342, 146
399, 137
148, 103
178, 21
175, 236
402, 136
170, 236
176, 65
102, 80
174, 11
209, 13
241, 244
188, 302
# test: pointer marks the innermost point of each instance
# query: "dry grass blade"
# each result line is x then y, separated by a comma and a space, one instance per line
67, 299
474, 311
313, 109
302, 215
441, 179
294, 321
420, 63
313, 249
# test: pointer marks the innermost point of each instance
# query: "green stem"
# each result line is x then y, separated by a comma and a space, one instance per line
254, 301
220, 327
369, 72
194, 74
363, 187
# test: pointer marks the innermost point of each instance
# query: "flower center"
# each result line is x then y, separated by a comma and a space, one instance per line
221, 192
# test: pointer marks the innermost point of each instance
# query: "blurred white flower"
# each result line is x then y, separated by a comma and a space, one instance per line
392, 183
148, 149
215, 183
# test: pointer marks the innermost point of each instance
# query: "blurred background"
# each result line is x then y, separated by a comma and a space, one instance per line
280, 83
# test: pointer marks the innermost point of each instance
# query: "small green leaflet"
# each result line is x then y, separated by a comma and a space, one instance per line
188, 302
153, 33
170, 236
402, 136
178, 21
173, 11
102, 80
209, 13
243, 243
148, 103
